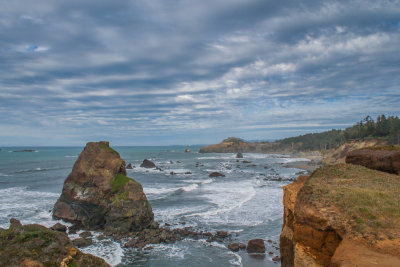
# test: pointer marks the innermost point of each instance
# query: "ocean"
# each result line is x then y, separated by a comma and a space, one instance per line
247, 202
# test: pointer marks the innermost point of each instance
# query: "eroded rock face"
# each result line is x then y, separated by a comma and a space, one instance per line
385, 159
97, 195
36, 245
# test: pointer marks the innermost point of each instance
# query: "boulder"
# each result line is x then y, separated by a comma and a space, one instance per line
222, 234
36, 245
129, 166
59, 227
98, 196
85, 234
216, 174
148, 164
256, 246
234, 246
239, 155
82, 242
385, 159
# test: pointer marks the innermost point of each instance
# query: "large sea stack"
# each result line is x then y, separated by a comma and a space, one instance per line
98, 195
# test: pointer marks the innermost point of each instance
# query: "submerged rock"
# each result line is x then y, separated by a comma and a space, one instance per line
36, 245
148, 164
98, 196
216, 174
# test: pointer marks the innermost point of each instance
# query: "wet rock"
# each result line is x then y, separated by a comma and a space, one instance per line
85, 234
171, 173
246, 161
82, 242
59, 227
242, 246
147, 164
276, 258
216, 174
188, 173
129, 166
101, 237
256, 246
187, 150
234, 246
167, 224
222, 234
239, 155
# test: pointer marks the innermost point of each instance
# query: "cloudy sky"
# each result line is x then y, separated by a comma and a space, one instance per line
161, 72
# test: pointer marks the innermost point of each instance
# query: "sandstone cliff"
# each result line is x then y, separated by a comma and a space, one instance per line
342, 215
234, 145
35, 245
97, 194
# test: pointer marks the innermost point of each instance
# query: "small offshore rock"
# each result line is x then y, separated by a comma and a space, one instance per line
234, 246
216, 174
242, 246
101, 237
239, 155
256, 246
246, 161
222, 234
187, 150
59, 227
82, 242
129, 166
276, 258
147, 164
85, 234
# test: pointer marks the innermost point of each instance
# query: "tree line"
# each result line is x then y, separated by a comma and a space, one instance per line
387, 128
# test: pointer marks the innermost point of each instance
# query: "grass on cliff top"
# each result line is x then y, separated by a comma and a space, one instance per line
117, 185
369, 200
109, 149
388, 148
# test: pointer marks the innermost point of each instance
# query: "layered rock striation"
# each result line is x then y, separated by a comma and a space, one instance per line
342, 215
98, 195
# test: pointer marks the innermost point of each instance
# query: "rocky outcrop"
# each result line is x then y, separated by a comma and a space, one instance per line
97, 194
330, 218
36, 245
256, 246
148, 164
235, 145
385, 158
216, 174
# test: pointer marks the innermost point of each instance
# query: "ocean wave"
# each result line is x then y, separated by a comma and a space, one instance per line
238, 261
3, 174
71, 156
37, 170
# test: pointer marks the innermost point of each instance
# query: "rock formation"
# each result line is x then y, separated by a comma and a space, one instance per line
97, 195
235, 145
36, 245
239, 155
216, 174
385, 158
148, 164
332, 218
256, 246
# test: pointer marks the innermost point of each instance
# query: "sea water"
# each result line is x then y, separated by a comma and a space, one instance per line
247, 202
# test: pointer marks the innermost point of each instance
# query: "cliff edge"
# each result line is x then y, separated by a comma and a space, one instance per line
98, 195
342, 215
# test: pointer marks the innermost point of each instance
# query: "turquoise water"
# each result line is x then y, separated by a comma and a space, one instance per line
246, 202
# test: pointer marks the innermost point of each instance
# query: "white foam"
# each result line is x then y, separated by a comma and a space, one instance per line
109, 250
73, 156
190, 187
173, 250
3, 174
238, 261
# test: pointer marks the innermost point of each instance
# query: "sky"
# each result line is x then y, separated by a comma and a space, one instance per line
163, 72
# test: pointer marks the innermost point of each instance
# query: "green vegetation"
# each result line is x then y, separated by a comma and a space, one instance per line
387, 128
368, 200
109, 149
117, 185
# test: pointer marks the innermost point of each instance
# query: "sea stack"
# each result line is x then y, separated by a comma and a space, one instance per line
98, 195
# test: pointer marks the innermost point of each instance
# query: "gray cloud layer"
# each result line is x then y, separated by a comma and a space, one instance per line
163, 72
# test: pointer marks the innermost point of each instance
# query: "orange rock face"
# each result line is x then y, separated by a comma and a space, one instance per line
317, 235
